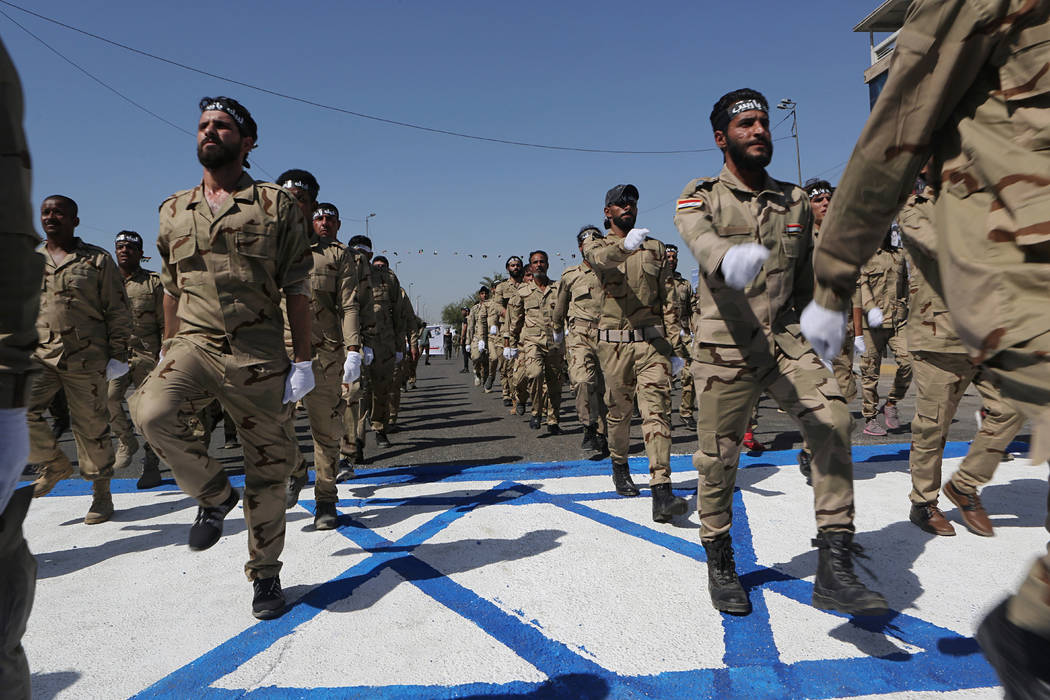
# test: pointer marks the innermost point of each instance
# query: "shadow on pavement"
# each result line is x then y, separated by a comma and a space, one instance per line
48, 685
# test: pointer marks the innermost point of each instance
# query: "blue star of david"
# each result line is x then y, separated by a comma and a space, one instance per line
753, 669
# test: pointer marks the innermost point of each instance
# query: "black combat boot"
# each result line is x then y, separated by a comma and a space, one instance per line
292, 488
622, 480
590, 432
727, 595
601, 445
1017, 655
666, 505
836, 586
805, 465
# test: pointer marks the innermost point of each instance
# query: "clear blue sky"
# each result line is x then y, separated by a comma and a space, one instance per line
611, 75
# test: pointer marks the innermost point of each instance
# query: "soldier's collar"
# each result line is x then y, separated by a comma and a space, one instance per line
731, 180
244, 191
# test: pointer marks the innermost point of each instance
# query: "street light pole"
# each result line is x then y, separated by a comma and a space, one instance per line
366, 222
793, 106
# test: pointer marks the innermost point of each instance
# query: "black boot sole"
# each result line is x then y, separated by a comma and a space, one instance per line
740, 609
678, 507
822, 601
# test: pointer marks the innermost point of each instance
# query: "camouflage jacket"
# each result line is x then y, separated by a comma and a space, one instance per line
968, 83
146, 301
530, 315
388, 309
355, 291
883, 284
637, 289
684, 298
231, 269
715, 214
930, 326
502, 295
579, 297
20, 300
84, 319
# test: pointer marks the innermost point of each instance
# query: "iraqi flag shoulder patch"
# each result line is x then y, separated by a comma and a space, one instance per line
793, 229
690, 203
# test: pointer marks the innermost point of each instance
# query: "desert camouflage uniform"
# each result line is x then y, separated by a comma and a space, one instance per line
968, 82
84, 322
477, 326
883, 285
389, 339
502, 294
684, 298
638, 331
943, 371
530, 322
406, 368
229, 271
356, 287
21, 269
578, 307
325, 407
749, 341
146, 302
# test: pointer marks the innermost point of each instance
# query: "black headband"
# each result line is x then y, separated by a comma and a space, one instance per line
129, 237
738, 108
325, 211
817, 191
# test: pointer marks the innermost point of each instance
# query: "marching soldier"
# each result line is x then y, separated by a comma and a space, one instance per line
504, 291
639, 344
477, 337
21, 271
943, 371
752, 237
357, 282
146, 302
883, 290
388, 347
530, 322
684, 298
578, 306
332, 352
84, 326
976, 81
232, 248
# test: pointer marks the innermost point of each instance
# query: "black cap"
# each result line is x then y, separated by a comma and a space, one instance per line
484, 289
619, 192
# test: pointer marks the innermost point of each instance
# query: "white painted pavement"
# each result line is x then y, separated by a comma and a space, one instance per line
521, 580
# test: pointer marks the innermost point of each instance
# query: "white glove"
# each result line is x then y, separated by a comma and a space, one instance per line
742, 262
14, 436
635, 238
160, 356
858, 345
115, 369
824, 329
299, 382
875, 317
368, 355
352, 367
510, 353
558, 336
683, 333
677, 365
481, 345
493, 330
398, 356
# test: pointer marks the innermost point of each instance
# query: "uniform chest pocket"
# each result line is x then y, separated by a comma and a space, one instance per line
1024, 83
255, 242
189, 266
792, 243
80, 278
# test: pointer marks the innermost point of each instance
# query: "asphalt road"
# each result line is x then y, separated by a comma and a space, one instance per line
447, 422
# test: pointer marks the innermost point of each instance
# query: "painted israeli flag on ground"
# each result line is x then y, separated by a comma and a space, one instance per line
531, 580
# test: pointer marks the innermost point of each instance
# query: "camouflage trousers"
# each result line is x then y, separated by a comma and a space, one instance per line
730, 384
1002, 323
842, 366
404, 371
688, 403
543, 372
18, 587
876, 340
89, 418
325, 409
139, 367
940, 380
494, 348
506, 369
585, 376
638, 368
480, 360
184, 383
518, 380
378, 387
352, 416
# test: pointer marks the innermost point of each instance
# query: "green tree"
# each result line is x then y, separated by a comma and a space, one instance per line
452, 314
491, 281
